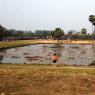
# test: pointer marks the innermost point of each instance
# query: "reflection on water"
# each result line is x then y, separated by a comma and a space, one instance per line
41, 53
1, 57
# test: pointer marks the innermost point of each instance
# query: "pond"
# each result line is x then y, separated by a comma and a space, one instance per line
41, 53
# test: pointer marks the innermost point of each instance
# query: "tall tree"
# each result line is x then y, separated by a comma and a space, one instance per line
58, 33
3, 32
92, 20
83, 31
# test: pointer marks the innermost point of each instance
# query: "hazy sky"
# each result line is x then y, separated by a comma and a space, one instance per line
46, 14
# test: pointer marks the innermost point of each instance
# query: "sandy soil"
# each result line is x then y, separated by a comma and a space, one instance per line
68, 41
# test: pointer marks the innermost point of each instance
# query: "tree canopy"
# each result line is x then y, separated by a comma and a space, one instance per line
83, 31
58, 33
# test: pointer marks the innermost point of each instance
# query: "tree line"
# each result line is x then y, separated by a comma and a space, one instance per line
58, 33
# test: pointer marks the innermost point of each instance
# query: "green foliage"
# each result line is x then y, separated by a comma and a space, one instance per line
3, 32
12, 32
83, 31
93, 36
92, 18
74, 37
58, 34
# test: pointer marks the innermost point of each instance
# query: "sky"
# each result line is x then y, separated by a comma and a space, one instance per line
46, 14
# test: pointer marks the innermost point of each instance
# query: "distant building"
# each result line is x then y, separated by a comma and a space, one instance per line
49, 36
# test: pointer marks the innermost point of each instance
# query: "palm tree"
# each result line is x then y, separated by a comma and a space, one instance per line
92, 20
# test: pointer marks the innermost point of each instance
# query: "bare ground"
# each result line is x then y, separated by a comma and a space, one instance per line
46, 80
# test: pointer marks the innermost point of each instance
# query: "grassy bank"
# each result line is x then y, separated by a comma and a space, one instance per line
46, 80
16, 43
9, 44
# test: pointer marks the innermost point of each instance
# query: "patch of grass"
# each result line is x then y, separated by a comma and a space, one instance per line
27, 79
16, 43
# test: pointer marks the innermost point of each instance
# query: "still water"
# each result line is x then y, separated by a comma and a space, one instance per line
41, 53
